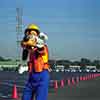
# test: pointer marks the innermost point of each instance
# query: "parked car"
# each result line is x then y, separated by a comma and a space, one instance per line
93, 70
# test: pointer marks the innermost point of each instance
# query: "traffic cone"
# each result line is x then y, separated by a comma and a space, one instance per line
81, 78
77, 79
14, 92
86, 77
73, 81
93, 76
90, 76
55, 85
62, 83
69, 83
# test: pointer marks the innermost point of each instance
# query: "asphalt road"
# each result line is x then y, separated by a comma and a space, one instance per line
82, 90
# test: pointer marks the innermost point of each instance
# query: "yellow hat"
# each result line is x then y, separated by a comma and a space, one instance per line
33, 26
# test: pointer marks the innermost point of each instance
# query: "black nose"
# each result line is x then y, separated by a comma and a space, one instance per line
26, 38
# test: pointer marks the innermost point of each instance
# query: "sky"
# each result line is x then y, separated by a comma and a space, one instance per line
72, 26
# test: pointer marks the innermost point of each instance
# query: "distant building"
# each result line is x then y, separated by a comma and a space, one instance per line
74, 66
9, 66
91, 67
59, 67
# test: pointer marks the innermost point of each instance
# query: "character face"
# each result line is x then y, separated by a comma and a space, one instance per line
31, 32
29, 38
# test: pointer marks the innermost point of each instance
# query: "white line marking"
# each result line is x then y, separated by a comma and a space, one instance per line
9, 84
3, 96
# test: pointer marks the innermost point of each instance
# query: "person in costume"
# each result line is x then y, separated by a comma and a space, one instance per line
35, 48
40, 43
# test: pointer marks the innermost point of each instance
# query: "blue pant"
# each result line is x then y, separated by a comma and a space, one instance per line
37, 86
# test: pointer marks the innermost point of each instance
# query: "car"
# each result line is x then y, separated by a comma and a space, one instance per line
93, 70
57, 70
98, 70
87, 70
67, 70
73, 70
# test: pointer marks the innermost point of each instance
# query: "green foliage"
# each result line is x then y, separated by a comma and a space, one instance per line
4, 59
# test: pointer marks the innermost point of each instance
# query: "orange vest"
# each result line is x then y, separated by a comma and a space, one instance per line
38, 60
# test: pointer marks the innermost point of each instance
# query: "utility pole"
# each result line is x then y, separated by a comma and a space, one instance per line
19, 13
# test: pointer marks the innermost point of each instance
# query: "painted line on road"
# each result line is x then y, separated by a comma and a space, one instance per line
20, 81
13, 81
9, 84
3, 96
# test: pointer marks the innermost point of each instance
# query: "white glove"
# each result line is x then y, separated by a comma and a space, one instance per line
40, 43
22, 69
43, 36
41, 40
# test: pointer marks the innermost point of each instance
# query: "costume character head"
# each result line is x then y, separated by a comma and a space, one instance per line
30, 39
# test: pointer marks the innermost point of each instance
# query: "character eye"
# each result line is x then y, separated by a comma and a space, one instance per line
31, 36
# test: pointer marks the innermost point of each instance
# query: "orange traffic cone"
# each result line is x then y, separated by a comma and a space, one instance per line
73, 81
83, 78
14, 92
86, 78
62, 83
77, 79
68, 81
80, 78
55, 85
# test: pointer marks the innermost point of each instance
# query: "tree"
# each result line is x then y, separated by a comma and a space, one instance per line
2, 59
85, 61
97, 63
52, 64
76, 63
63, 62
